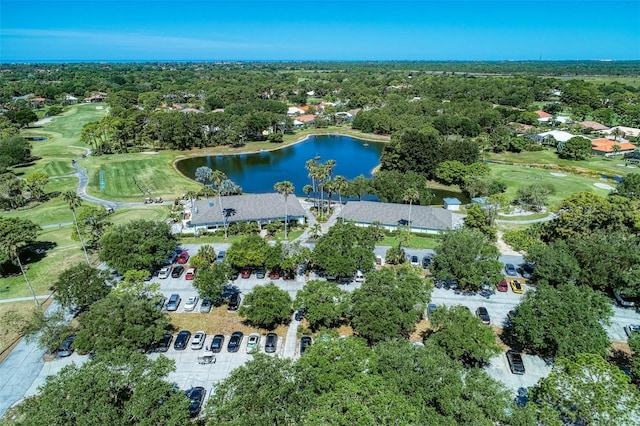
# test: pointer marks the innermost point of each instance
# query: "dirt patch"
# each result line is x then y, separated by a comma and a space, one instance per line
503, 247
218, 321
418, 334
345, 330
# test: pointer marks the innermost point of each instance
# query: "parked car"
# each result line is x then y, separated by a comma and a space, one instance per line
177, 271
192, 301
234, 302
217, 343
503, 286
172, 258
235, 274
191, 274
165, 271
150, 273
196, 399
253, 342
160, 301
182, 340
511, 315
623, 299
431, 308
235, 341
305, 342
526, 269
260, 272
515, 362
164, 343
206, 305
183, 257
359, 277
517, 287
271, 343
246, 273
483, 314
300, 313
426, 261
414, 260
221, 256
631, 329
66, 347
274, 274
510, 270
198, 340
174, 302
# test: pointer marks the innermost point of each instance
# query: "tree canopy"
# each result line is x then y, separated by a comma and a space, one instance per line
137, 245
326, 304
344, 249
80, 286
267, 306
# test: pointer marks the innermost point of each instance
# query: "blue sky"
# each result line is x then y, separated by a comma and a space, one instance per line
106, 30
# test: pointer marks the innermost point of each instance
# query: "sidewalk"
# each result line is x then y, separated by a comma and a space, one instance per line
311, 219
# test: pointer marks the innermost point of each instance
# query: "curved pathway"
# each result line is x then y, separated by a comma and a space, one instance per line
551, 216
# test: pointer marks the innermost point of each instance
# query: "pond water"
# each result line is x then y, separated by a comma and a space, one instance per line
258, 172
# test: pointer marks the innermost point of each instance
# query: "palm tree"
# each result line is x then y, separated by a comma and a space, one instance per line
410, 195
311, 165
307, 189
74, 201
217, 177
341, 186
617, 134
285, 188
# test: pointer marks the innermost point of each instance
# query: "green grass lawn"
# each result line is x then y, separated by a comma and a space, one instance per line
43, 272
148, 212
533, 216
416, 241
50, 212
516, 176
594, 166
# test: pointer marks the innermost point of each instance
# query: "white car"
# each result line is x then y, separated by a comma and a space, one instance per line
253, 342
165, 271
191, 303
197, 342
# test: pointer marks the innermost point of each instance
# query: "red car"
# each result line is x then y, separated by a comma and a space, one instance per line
183, 257
274, 274
503, 286
246, 273
191, 274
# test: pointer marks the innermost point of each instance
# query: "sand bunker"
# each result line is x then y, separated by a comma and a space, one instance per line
603, 186
556, 174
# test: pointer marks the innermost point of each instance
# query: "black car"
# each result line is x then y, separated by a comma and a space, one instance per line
305, 342
300, 313
164, 343
234, 302
177, 271
66, 348
271, 343
235, 274
260, 273
483, 314
182, 340
206, 305
196, 398
426, 261
217, 343
235, 341
160, 301
515, 362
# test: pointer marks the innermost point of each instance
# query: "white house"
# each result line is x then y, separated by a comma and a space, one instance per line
293, 111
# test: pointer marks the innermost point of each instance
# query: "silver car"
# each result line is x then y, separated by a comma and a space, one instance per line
165, 271
197, 342
253, 342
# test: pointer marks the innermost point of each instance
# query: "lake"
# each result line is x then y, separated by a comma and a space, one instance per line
258, 172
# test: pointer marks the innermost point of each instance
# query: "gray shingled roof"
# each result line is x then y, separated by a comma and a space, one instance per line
389, 214
245, 208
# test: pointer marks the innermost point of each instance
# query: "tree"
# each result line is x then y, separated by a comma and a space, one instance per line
74, 201
80, 286
325, 302
11, 191
48, 329
210, 281
555, 263
344, 249
359, 186
341, 185
14, 150
586, 389
576, 148
136, 283
130, 391
563, 321
218, 177
203, 174
251, 250
134, 323
137, 245
462, 336
15, 235
630, 186
35, 184
267, 306
480, 219
204, 258
534, 196
467, 257
395, 255
307, 189
286, 188
410, 195
93, 222
400, 293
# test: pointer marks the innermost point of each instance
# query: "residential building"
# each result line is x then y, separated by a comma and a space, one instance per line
610, 147
425, 219
543, 117
624, 131
451, 203
593, 125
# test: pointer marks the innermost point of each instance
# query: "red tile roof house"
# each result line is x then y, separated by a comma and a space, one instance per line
38, 102
606, 147
308, 119
543, 117
593, 125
